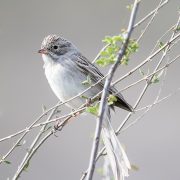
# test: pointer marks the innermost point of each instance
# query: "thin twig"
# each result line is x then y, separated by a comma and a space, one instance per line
150, 14
156, 100
149, 75
16, 144
159, 101
148, 108
35, 147
148, 59
23, 164
159, 40
149, 23
147, 82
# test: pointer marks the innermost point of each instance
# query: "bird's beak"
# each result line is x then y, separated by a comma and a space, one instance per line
43, 51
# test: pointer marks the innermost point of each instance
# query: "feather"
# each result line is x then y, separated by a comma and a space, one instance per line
91, 70
117, 156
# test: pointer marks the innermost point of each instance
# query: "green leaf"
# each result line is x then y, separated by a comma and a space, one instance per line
110, 50
104, 53
132, 48
84, 97
93, 109
7, 162
161, 44
87, 81
109, 55
101, 61
135, 46
141, 72
156, 77
26, 166
118, 38
111, 99
129, 7
108, 40
134, 167
125, 60
105, 61
178, 28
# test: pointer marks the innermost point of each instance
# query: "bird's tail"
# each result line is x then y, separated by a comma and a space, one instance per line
117, 156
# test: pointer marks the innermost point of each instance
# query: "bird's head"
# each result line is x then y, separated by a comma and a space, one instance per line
54, 46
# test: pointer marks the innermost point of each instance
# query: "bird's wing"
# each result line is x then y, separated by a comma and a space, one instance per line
90, 69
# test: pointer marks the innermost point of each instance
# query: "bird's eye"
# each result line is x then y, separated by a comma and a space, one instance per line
55, 47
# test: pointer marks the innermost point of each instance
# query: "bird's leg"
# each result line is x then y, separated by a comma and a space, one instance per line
88, 102
56, 125
75, 113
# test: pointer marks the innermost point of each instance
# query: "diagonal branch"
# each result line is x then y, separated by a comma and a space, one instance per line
103, 101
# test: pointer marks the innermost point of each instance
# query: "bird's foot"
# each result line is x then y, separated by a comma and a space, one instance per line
88, 102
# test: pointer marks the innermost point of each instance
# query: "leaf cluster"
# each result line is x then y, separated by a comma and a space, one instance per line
114, 43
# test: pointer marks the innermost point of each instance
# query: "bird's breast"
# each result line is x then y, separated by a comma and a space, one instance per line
67, 83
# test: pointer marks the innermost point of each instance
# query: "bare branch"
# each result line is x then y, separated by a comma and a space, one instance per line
148, 108
159, 101
23, 164
150, 14
103, 101
149, 23
146, 78
147, 83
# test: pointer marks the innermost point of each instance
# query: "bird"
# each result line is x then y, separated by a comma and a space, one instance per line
66, 69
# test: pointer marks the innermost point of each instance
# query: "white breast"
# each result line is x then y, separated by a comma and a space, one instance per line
65, 82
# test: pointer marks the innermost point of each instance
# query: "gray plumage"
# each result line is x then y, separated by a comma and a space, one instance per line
66, 55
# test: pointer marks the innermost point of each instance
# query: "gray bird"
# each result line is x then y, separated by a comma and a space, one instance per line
66, 69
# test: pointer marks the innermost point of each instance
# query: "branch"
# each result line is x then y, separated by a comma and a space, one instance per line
166, 47
149, 23
148, 59
103, 101
148, 108
156, 68
159, 101
136, 25
150, 14
146, 78
33, 151
23, 162
160, 69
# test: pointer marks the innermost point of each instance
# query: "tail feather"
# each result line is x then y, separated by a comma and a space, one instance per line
121, 103
117, 156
